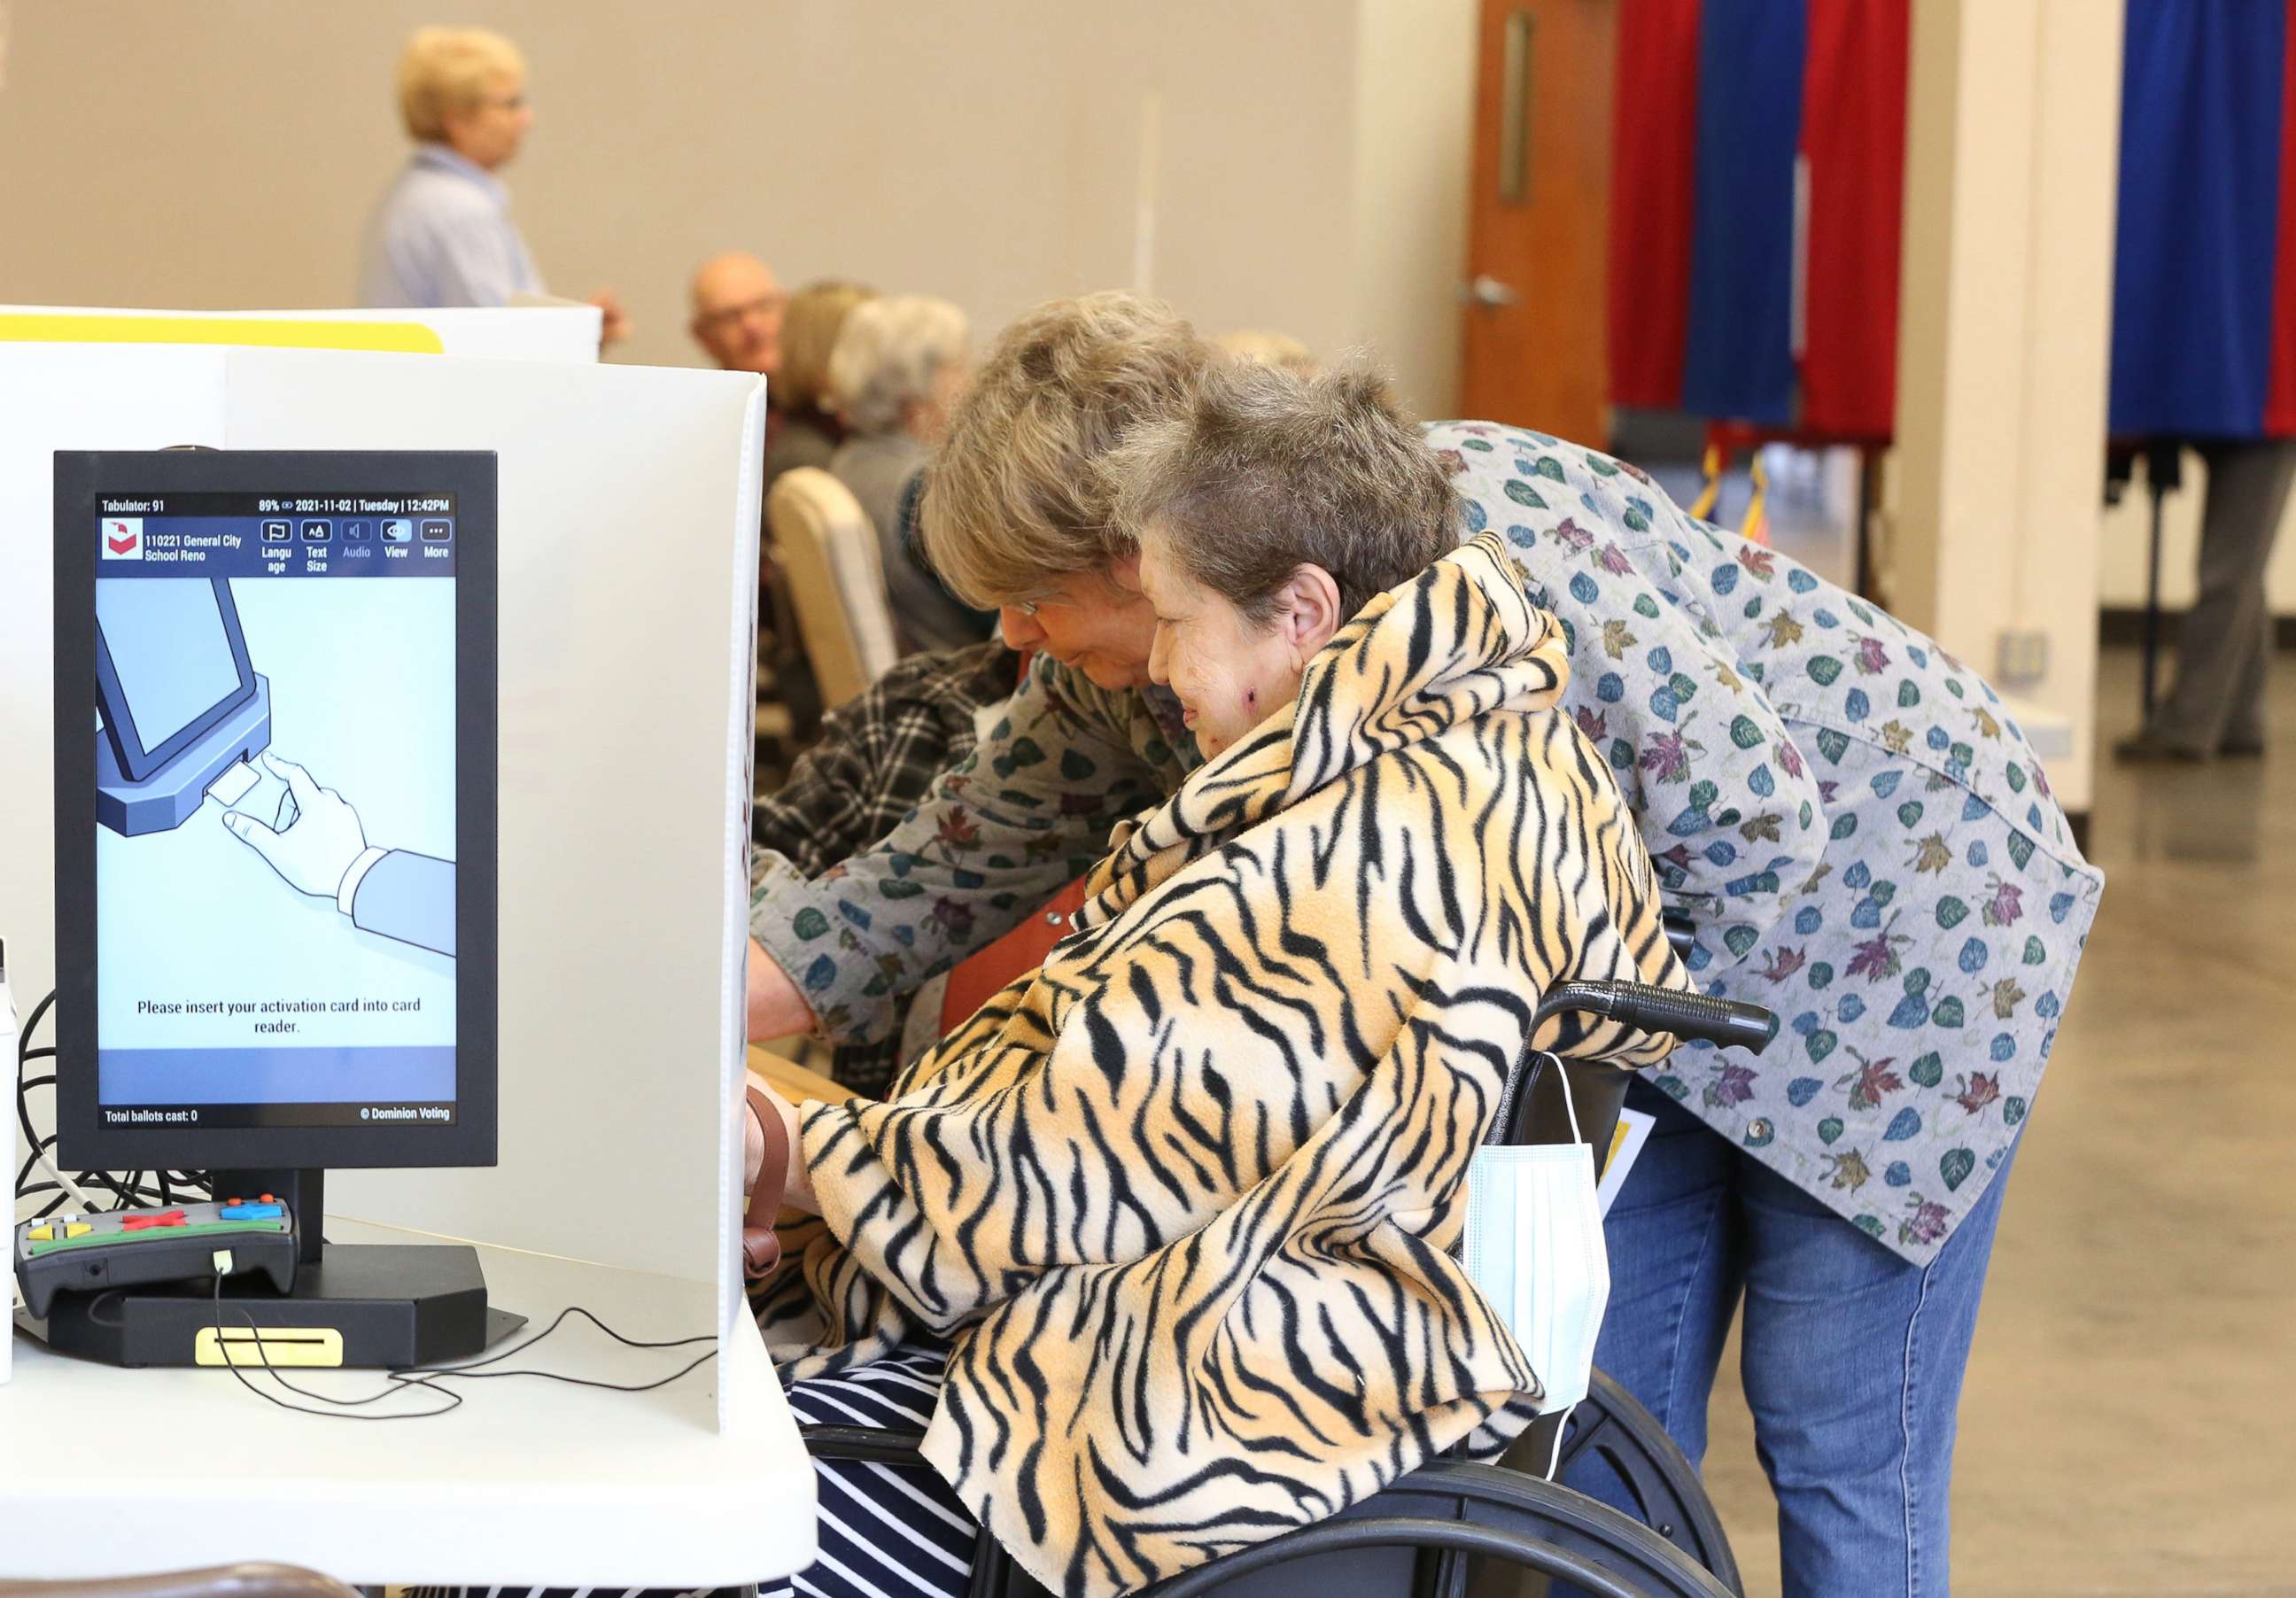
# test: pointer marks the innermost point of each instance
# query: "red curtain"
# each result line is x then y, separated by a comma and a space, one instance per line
1653, 171
2280, 374
1853, 140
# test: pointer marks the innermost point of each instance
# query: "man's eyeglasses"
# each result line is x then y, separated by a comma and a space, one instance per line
765, 305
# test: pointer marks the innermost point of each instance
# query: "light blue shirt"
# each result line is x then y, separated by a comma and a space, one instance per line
443, 236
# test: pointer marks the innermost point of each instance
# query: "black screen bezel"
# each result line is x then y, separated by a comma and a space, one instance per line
82, 478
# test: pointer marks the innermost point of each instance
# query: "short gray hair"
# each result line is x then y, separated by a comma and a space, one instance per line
1264, 470
888, 354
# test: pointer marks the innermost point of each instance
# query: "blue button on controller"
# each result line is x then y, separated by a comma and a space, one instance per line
250, 1212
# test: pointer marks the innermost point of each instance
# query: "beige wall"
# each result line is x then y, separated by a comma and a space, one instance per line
1415, 133
1309, 171
2010, 152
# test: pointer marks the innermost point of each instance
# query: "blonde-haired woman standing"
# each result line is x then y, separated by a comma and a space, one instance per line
443, 234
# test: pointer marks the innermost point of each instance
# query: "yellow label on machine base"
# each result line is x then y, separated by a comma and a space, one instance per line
282, 1346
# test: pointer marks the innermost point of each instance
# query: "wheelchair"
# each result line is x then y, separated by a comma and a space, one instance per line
1453, 1528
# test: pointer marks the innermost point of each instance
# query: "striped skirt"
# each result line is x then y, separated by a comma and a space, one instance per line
885, 1532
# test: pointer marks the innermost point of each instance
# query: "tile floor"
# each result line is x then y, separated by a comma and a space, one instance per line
2129, 1420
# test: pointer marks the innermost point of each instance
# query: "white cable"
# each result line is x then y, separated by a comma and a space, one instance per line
1570, 1104
66, 1183
1554, 1457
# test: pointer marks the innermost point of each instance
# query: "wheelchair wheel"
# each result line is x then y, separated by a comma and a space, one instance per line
1670, 1498
1440, 1516
1412, 1539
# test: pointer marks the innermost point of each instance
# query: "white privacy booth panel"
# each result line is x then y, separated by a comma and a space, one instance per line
628, 509
628, 514
62, 397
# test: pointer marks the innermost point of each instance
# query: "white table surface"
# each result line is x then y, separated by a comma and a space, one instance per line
111, 1472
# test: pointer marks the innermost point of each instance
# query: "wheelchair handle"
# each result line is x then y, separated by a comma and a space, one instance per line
1689, 1016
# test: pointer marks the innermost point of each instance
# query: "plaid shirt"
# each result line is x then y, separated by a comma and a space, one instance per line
878, 756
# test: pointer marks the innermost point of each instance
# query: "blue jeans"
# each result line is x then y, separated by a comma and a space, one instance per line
1851, 1357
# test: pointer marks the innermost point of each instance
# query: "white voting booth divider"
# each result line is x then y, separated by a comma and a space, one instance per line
628, 513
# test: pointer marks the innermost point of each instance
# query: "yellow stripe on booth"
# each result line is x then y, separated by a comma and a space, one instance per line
407, 338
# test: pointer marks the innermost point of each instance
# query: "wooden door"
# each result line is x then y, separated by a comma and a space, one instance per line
1539, 218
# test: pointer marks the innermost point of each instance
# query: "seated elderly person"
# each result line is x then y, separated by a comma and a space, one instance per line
897, 368
877, 757
809, 432
738, 305
1190, 1189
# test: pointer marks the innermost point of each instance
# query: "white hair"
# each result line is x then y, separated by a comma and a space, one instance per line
888, 354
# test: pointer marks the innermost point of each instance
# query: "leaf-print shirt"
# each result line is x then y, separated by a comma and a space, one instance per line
1921, 954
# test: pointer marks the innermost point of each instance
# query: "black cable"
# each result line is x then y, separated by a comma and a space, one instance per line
126, 1192
397, 1384
24, 1037
471, 1371
612, 1387
628, 1342
398, 1380
23, 1056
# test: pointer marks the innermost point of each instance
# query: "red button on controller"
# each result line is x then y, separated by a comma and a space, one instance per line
145, 1222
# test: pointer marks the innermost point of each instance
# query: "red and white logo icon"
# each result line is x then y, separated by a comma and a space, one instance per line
123, 539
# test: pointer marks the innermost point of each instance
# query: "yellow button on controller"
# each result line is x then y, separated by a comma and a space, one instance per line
41, 1235
78, 1229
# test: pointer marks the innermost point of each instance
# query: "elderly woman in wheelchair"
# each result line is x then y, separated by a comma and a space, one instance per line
1159, 1245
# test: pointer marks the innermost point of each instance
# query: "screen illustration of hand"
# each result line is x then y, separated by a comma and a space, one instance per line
317, 850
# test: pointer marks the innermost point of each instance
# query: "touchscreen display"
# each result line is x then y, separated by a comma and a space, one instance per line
280, 951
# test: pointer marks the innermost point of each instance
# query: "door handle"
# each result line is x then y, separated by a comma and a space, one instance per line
1487, 291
